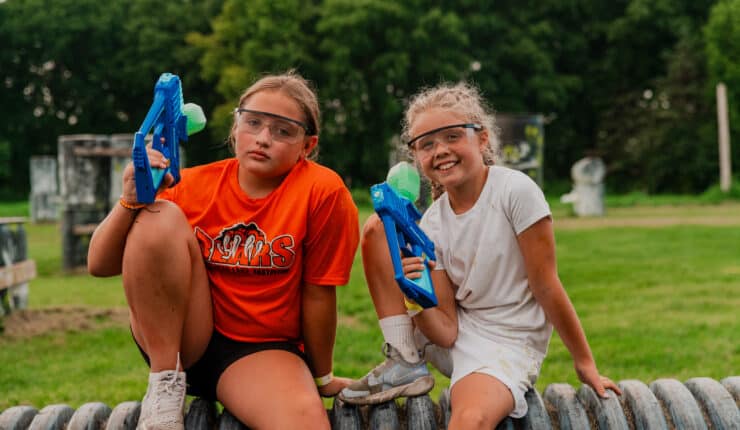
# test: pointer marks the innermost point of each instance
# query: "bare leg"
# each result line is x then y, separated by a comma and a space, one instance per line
404, 372
479, 401
166, 287
376, 261
272, 390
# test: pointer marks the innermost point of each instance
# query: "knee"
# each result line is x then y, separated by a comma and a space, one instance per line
161, 233
372, 231
469, 418
160, 225
308, 408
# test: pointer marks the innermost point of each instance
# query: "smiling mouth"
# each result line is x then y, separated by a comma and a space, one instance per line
446, 165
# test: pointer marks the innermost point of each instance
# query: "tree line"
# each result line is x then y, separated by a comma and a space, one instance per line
629, 80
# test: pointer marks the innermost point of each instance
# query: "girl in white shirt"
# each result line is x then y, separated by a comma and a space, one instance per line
495, 276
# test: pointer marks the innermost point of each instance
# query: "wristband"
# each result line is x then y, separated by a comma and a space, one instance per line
322, 381
412, 308
131, 206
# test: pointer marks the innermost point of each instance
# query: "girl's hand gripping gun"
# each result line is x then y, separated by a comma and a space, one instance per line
403, 235
167, 118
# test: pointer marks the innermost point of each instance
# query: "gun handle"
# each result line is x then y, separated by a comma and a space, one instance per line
142, 170
157, 177
391, 236
422, 289
147, 179
166, 149
419, 290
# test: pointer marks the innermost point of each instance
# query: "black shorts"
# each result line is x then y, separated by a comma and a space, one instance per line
202, 377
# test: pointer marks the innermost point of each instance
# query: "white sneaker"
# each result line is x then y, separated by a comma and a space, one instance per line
395, 377
164, 402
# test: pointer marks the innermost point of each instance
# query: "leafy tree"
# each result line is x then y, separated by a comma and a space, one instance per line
47, 70
154, 41
657, 140
375, 53
627, 78
722, 35
652, 131
248, 40
535, 57
357, 54
577, 44
83, 66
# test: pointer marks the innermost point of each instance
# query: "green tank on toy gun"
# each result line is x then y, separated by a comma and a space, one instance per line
172, 120
393, 202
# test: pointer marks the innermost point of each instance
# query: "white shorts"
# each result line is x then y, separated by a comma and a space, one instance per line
517, 368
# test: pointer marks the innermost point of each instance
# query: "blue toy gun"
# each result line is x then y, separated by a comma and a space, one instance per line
166, 118
403, 235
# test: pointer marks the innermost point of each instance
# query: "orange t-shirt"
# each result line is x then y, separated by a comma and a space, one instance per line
259, 252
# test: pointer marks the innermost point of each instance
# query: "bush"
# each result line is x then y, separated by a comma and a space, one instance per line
714, 195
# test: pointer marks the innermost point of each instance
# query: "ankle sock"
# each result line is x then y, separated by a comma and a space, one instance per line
398, 331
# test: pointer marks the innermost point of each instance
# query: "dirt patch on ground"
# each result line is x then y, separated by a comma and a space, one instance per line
34, 322
349, 321
592, 222
660, 216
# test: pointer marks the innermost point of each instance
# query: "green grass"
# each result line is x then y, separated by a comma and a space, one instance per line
712, 196
14, 209
655, 302
72, 368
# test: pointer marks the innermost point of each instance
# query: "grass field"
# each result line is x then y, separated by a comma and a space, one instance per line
657, 289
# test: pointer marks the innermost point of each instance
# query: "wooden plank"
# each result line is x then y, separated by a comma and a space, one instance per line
723, 125
81, 229
13, 220
82, 151
18, 273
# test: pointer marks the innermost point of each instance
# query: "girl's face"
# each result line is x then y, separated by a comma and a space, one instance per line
267, 143
451, 157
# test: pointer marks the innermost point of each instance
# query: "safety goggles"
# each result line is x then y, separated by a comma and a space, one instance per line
426, 143
281, 128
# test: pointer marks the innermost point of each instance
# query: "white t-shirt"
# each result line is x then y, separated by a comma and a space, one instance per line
480, 252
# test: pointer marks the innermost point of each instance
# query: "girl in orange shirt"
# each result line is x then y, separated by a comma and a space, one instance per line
230, 274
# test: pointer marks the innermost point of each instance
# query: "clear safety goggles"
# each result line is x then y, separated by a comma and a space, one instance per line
426, 143
281, 128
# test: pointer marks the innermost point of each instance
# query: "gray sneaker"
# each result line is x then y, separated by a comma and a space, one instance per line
395, 377
162, 407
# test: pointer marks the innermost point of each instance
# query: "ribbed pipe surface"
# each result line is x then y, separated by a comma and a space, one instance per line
699, 403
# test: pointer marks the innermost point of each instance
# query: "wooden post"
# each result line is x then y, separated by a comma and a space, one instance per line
84, 180
44, 199
725, 170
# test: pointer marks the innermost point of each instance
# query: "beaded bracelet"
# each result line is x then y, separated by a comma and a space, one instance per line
131, 206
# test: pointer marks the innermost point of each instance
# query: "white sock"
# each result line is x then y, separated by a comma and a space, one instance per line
398, 330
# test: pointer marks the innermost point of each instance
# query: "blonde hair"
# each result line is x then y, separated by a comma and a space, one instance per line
463, 99
294, 86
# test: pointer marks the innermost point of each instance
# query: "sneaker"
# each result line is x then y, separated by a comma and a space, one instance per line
164, 402
395, 377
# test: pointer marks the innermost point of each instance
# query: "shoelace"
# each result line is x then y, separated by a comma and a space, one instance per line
169, 384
